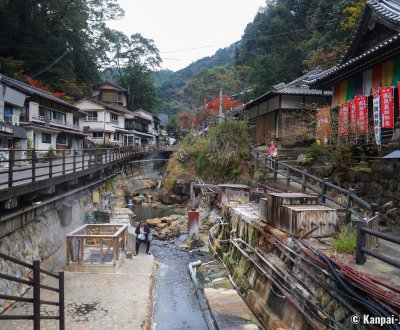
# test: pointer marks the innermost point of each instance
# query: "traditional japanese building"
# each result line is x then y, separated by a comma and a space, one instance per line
275, 110
39, 119
365, 81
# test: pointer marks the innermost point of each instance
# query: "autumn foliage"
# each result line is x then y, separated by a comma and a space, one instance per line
206, 113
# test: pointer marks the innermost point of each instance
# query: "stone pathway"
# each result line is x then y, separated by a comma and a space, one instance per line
98, 301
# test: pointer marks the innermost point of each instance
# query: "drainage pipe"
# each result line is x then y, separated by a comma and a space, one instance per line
205, 308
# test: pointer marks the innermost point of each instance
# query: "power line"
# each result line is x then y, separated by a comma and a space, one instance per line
257, 38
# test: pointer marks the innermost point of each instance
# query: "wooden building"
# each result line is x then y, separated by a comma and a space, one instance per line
274, 111
369, 67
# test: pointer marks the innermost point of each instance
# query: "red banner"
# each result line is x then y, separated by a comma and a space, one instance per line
344, 119
353, 116
362, 112
386, 94
323, 124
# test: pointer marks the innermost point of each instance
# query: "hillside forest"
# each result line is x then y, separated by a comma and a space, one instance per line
66, 47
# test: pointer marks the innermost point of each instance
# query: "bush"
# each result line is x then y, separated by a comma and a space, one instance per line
316, 153
346, 240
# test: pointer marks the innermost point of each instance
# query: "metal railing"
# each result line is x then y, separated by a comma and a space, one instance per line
22, 166
363, 229
321, 186
344, 198
36, 299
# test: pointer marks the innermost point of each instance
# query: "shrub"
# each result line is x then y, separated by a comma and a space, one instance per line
346, 240
316, 153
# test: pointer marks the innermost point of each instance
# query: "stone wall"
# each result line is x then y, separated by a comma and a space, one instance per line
259, 280
42, 239
377, 182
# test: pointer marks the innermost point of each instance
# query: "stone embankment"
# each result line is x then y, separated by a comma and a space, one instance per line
285, 288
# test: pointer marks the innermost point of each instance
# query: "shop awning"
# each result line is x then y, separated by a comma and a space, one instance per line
11, 130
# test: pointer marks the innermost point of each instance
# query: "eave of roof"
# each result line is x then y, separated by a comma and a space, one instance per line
112, 84
30, 90
109, 106
377, 54
385, 11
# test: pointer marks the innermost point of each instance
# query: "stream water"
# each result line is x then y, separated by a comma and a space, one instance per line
176, 305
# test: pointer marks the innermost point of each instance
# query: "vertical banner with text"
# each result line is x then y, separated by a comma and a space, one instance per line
353, 117
386, 104
362, 111
344, 119
323, 125
377, 118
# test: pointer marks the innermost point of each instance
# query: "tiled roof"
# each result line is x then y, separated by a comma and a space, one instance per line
383, 10
387, 9
28, 89
110, 106
298, 86
112, 84
367, 54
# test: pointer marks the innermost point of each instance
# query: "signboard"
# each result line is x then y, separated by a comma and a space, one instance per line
377, 117
386, 104
323, 132
344, 119
353, 116
362, 111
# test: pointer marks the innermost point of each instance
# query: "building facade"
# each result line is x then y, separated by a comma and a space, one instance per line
41, 121
365, 83
275, 111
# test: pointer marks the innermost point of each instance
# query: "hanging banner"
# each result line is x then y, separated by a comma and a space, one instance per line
386, 101
323, 132
353, 117
344, 119
362, 112
377, 118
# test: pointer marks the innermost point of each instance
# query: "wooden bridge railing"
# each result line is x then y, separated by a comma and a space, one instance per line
20, 166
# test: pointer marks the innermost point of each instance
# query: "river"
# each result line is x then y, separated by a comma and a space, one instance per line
176, 305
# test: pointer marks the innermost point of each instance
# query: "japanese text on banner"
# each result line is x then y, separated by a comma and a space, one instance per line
386, 94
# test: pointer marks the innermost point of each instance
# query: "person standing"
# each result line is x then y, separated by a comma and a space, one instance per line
272, 149
142, 236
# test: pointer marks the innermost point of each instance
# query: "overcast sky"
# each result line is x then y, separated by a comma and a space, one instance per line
178, 25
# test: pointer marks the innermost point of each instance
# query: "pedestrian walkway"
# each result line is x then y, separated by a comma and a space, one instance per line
122, 300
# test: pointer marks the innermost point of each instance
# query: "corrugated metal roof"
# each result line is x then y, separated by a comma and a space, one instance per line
33, 90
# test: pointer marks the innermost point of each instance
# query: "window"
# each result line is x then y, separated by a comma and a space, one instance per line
75, 121
114, 118
92, 116
97, 135
46, 138
57, 117
116, 136
8, 112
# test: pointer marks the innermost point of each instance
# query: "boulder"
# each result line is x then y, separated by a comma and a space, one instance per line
137, 200
167, 197
150, 184
153, 222
182, 184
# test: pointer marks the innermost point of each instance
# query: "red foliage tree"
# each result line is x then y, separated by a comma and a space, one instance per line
227, 104
184, 120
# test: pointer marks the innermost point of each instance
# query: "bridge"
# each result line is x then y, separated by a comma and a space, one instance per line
23, 172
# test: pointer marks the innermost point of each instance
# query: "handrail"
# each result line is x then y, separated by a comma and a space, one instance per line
23, 166
361, 250
303, 178
36, 299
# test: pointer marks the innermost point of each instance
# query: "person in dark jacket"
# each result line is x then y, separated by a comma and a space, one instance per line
142, 236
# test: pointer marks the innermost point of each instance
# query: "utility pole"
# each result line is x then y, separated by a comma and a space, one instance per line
220, 106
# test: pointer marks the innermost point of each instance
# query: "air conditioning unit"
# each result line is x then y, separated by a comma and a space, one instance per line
15, 119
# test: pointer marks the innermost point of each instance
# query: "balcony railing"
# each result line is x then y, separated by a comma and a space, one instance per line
76, 126
38, 118
115, 121
89, 118
57, 121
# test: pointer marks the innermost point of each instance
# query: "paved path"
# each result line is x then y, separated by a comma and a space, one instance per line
98, 301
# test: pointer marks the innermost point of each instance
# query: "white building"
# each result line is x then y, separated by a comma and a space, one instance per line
143, 128
49, 122
104, 122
